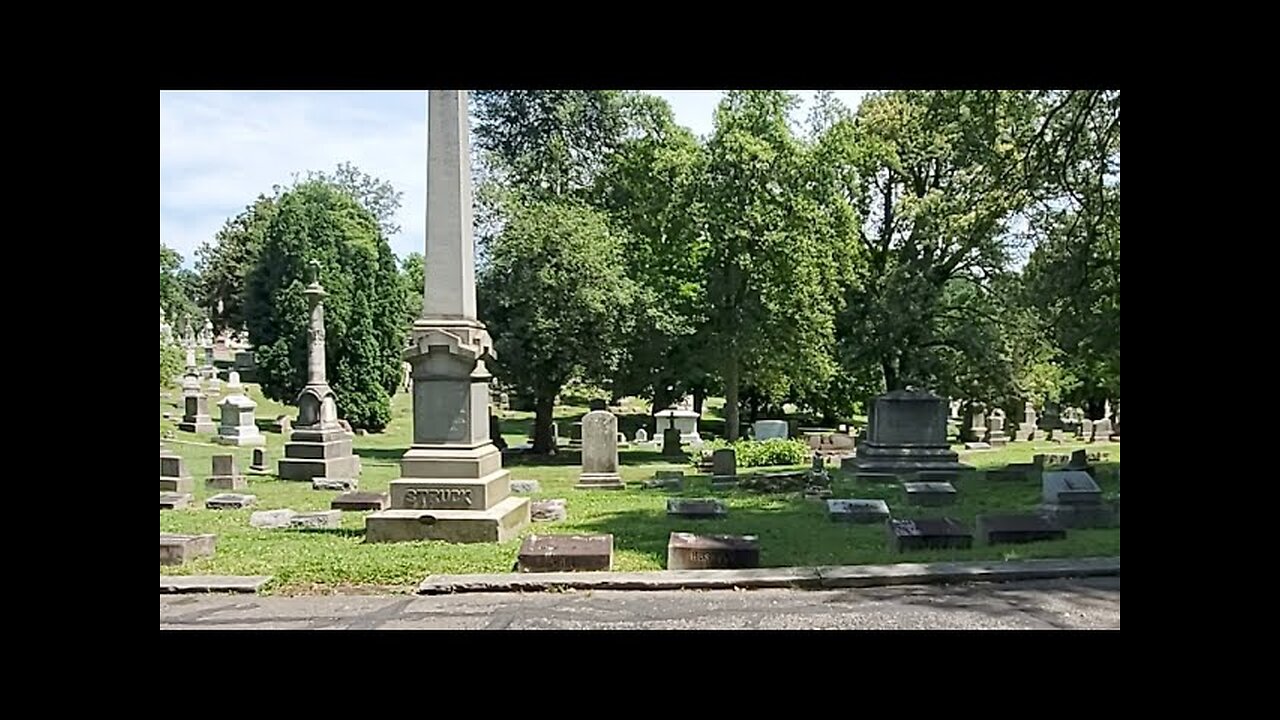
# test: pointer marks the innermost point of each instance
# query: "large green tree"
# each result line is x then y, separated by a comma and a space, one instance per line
648, 186
774, 257
939, 178
555, 298
178, 290
364, 312
225, 262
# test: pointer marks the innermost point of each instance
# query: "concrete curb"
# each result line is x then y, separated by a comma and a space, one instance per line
175, 584
802, 578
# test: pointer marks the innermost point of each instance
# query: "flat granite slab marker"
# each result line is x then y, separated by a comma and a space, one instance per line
230, 501
701, 508
174, 500
687, 551
342, 484
176, 549
858, 511
358, 501
1017, 528
559, 553
928, 534
929, 494
175, 584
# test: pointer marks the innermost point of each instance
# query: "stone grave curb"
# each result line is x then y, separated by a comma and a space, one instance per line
177, 584
800, 578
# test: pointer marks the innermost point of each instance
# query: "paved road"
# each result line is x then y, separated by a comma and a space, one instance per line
1084, 603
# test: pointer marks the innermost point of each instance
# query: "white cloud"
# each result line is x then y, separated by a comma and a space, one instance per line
220, 150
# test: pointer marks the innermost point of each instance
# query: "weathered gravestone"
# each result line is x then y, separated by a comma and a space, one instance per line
642, 436
195, 416
1074, 500
174, 500
1017, 528
700, 508
230, 501
270, 519
525, 486
318, 520
340, 484
552, 510
928, 534
929, 494
724, 464
858, 511
1026, 431
358, 501
770, 429
176, 549
908, 433
173, 475
995, 435
687, 551
238, 425
225, 475
599, 452
259, 464
565, 553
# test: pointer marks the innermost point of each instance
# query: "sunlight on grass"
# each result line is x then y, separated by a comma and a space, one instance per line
792, 531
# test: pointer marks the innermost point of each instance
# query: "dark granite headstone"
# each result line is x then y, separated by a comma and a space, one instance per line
996, 529
687, 551
558, 553
928, 534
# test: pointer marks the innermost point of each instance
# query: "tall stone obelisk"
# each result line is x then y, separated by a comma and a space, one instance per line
318, 445
452, 485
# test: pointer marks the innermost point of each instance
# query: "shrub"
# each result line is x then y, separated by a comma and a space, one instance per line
170, 362
759, 453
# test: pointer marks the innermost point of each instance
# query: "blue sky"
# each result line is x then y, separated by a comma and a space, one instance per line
219, 150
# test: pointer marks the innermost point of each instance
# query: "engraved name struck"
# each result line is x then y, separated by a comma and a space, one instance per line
435, 498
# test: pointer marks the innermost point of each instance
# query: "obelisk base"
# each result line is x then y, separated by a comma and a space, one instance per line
499, 523
451, 493
310, 454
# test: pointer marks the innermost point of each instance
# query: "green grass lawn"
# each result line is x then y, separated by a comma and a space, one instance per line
792, 530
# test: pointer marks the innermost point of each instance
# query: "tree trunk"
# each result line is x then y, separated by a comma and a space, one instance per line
1095, 409
731, 399
544, 443
699, 395
890, 375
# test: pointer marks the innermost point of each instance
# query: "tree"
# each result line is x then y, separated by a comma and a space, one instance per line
648, 187
938, 178
413, 276
226, 261
554, 297
176, 286
364, 311
170, 362
774, 256
548, 143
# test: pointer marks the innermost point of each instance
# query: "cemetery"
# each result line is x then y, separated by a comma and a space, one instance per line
468, 452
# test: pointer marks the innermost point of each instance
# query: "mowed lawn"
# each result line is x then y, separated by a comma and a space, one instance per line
792, 530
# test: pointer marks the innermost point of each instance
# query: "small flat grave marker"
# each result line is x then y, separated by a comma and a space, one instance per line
559, 553
687, 551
